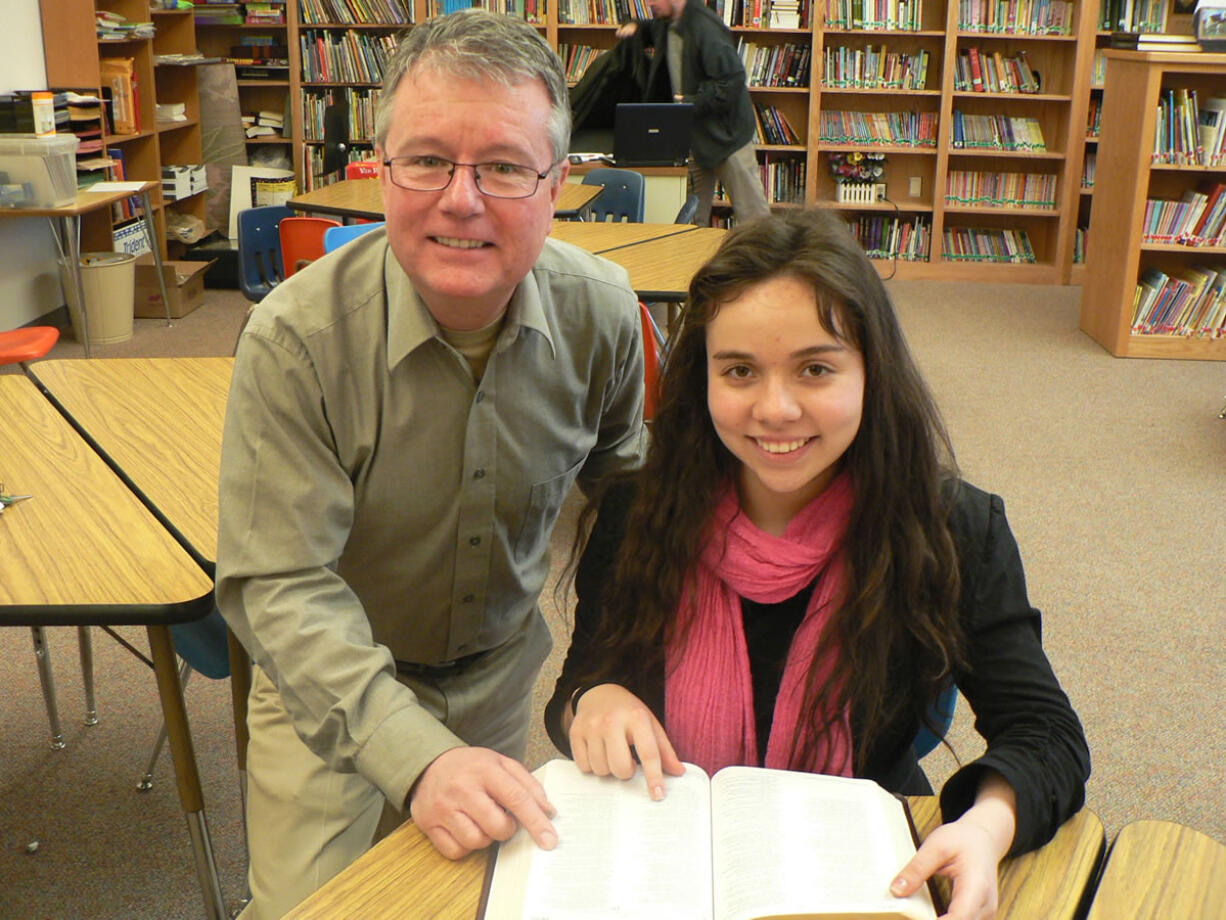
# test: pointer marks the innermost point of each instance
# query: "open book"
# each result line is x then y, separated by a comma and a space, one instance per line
747, 844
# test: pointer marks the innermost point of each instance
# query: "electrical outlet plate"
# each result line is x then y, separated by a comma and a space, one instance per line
915, 188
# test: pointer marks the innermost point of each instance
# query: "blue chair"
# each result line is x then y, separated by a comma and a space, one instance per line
259, 250
688, 210
942, 716
623, 198
335, 237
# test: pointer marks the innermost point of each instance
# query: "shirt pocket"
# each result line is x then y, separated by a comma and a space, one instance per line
544, 502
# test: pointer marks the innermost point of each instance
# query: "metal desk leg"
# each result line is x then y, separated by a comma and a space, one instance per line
44, 676
150, 235
186, 774
68, 237
86, 644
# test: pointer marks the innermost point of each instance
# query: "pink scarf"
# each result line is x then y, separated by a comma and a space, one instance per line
708, 689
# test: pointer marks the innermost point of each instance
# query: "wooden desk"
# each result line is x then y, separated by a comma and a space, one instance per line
403, 876
363, 198
661, 272
158, 421
601, 238
1158, 870
86, 551
66, 228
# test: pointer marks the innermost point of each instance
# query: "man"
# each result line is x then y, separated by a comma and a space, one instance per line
704, 69
405, 419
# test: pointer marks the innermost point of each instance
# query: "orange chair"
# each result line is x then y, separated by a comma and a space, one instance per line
302, 241
362, 169
27, 343
653, 344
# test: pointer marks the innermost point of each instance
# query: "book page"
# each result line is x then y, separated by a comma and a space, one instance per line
620, 856
803, 844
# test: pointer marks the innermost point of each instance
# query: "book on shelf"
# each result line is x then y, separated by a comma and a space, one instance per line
1153, 41
746, 842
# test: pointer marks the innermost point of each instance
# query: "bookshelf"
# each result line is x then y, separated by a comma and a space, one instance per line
256, 39
1127, 178
75, 56
1153, 16
917, 173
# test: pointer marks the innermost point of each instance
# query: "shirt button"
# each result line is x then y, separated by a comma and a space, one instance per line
481, 396
478, 474
474, 541
468, 598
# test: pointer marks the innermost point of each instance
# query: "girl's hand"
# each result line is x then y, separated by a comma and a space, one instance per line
610, 720
626, 30
967, 852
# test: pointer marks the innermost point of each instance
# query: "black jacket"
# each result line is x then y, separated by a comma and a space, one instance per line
1034, 739
624, 74
712, 78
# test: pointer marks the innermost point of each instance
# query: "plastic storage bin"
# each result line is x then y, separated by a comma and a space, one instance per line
38, 172
109, 280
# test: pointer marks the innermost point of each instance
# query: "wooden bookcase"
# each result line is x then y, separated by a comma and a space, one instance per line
1094, 89
73, 54
1064, 62
1126, 178
261, 86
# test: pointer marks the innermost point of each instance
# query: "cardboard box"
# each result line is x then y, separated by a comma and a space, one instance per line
184, 287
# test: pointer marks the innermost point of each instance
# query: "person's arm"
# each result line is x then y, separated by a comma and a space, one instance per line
622, 438
286, 511
723, 78
968, 851
1034, 739
286, 508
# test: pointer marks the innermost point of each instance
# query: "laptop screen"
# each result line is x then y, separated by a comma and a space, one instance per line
652, 133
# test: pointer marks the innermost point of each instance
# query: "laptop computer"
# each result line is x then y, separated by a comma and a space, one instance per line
652, 133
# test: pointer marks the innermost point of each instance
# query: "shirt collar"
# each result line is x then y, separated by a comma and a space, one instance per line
410, 324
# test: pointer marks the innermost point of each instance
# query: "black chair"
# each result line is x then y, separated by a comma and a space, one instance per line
336, 137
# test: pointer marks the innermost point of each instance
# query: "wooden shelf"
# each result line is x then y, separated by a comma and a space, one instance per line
1118, 255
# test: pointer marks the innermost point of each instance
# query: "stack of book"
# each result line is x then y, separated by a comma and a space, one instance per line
265, 14
1154, 41
112, 27
209, 13
265, 123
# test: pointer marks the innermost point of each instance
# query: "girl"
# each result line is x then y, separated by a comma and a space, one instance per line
797, 573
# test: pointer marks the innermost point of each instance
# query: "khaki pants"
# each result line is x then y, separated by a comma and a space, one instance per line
306, 822
742, 181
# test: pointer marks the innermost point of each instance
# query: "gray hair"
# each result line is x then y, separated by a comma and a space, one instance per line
478, 44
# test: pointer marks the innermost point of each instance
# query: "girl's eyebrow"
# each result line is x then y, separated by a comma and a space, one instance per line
812, 351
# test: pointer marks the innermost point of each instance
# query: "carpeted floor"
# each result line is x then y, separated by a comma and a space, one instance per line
1112, 471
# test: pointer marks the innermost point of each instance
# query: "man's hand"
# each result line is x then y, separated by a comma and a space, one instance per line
469, 797
626, 30
607, 723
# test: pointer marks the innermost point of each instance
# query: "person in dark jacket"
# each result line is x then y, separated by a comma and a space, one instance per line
704, 69
798, 572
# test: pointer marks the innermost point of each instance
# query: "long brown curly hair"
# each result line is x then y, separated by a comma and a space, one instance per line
902, 585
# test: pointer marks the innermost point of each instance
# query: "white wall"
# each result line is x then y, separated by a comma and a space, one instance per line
29, 279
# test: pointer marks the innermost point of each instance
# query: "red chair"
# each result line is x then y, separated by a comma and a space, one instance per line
302, 241
653, 343
27, 343
362, 169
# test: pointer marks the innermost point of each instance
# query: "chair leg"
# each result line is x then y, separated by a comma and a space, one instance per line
145, 783
43, 656
86, 643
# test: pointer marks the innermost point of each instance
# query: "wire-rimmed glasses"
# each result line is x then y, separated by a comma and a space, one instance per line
431, 174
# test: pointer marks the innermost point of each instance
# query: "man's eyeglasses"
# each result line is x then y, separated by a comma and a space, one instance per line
430, 174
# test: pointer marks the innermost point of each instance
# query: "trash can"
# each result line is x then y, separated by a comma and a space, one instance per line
109, 282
